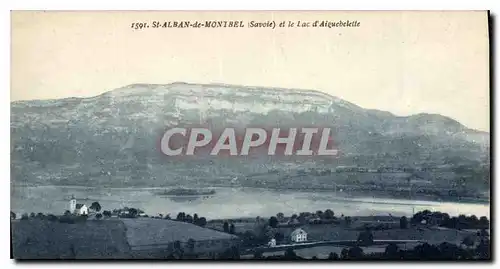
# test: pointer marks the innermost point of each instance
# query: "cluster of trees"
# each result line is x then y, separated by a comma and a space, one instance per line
32, 215
256, 238
177, 252
365, 238
466, 222
444, 220
318, 217
66, 218
126, 212
95, 206
229, 228
232, 253
425, 251
403, 222
195, 219
262, 232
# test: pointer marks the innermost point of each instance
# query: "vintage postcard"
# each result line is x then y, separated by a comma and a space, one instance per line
250, 135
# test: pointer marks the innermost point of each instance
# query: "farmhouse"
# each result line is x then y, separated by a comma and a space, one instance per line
298, 235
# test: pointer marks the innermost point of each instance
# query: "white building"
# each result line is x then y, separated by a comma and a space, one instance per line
77, 209
81, 209
298, 235
72, 204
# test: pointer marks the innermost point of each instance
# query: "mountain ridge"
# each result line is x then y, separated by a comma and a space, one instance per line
238, 87
117, 132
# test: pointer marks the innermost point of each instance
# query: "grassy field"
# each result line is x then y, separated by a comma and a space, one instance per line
111, 239
42, 239
150, 238
326, 232
144, 233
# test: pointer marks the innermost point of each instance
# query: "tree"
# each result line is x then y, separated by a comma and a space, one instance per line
225, 227
12, 215
24, 216
188, 219
328, 214
355, 253
319, 213
195, 218
483, 221
231, 229
106, 213
301, 218
403, 222
178, 251
190, 245
426, 251
72, 251
483, 233
483, 250
392, 250
40, 215
290, 254
32, 215
468, 241
348, 220
51, 217
333, 256
258, 254
67, 213
279, 237
177, 244
98, 216
95, 206
273, 222
448, 251
344, 254
202, 221
365, 238
132, 212
232, 253
180, 216
280, 216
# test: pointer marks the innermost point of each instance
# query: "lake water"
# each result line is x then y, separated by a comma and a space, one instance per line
227, 202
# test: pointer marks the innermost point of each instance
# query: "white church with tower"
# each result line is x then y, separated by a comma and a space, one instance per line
77, 209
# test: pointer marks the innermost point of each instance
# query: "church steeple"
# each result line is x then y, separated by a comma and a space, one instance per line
72, 204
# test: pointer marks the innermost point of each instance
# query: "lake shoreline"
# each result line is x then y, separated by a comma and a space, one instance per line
347, 195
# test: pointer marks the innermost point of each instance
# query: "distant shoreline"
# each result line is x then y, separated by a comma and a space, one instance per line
347, 196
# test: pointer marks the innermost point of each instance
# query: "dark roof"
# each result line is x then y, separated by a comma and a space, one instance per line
78, 206
298, 231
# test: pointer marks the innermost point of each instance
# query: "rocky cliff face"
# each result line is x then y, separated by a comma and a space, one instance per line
120, 129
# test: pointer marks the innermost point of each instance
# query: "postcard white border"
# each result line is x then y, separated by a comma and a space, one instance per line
492, 5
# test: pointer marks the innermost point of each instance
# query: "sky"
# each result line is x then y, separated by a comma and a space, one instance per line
402, 62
